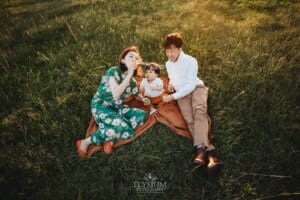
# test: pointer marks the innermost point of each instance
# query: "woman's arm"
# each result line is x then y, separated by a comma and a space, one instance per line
118, 89
140, 96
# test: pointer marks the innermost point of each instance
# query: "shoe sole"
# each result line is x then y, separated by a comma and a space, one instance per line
199, 162
81, 153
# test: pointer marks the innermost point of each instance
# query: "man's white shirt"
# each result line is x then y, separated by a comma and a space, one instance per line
183, 75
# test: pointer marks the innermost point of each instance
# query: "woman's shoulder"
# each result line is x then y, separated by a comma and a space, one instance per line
112, 70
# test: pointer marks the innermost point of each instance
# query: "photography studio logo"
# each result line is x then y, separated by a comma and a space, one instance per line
150, 184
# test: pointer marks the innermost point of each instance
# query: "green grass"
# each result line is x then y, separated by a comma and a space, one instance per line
52, 56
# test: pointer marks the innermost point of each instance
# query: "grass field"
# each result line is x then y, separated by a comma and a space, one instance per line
52, 56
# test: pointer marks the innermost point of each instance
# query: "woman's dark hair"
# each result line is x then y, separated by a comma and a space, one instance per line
123, 67
175, 39
153, 66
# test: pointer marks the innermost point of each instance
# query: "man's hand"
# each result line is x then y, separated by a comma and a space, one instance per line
168, 98
171, 88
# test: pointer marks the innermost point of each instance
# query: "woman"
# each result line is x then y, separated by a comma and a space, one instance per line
116, 121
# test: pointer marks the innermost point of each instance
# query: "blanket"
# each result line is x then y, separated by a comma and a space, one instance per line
167, 114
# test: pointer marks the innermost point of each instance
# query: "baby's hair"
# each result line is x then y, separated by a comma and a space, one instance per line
153, 66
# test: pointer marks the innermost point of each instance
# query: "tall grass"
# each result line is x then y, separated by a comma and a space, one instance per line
53, 54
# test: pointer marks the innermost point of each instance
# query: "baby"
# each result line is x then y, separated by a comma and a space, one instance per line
152, 86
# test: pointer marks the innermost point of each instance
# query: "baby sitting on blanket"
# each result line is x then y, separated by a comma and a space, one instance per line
152, 86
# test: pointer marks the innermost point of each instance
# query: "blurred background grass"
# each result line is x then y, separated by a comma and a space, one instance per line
52, 56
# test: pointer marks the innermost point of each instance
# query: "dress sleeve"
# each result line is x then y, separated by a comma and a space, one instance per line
134, 88
113, 72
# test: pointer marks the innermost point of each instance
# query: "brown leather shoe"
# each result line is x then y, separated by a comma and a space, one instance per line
200, 157
214, 165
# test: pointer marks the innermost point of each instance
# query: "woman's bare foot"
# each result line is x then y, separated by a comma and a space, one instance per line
108, 147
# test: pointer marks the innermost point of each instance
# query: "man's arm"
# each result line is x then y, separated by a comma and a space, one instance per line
191, 76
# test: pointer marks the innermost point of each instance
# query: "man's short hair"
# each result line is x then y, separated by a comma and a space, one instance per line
175, 39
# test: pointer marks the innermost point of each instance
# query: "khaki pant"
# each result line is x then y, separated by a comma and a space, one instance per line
193, 108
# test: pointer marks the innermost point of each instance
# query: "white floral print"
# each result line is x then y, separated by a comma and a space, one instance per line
104, 79
125, 110
102, 116
118, 102
123, 124
116, 122
125, 135
135, 90
108, 120
101, 125
110, 133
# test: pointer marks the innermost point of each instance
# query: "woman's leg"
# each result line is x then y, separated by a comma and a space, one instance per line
134, 116
115, 125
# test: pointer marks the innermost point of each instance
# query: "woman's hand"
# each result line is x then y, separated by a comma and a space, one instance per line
131, 66
131, 61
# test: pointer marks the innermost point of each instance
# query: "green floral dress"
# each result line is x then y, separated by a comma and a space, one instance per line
115, 120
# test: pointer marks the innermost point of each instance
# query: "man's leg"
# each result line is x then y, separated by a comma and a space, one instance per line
185, 106
199, 105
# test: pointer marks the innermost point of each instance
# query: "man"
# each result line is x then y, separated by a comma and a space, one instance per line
191, 95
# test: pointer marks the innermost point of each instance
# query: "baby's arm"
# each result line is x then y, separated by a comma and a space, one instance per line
140, 97
157, 88
159, 85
